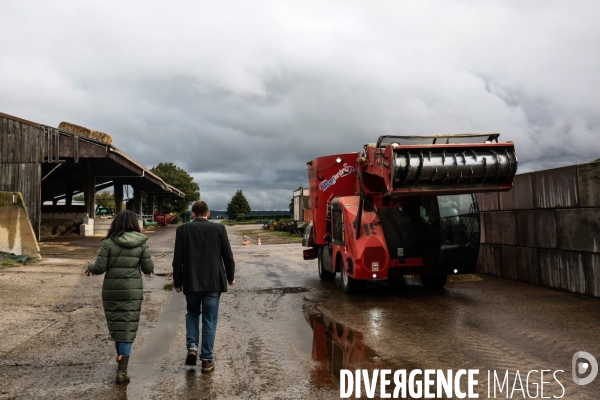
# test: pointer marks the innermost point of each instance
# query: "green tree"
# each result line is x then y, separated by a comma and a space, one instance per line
238, 204
106, 199
177, 177
103, 199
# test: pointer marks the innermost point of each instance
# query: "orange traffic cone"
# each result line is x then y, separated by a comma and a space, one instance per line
259, 241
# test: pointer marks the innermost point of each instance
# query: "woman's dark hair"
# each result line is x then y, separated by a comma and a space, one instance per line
124, 221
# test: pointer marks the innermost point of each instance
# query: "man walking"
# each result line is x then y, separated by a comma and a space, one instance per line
202, 266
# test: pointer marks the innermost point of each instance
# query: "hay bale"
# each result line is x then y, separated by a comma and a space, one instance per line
59, 227
86, 132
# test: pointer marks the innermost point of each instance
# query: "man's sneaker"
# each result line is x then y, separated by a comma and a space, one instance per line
208, 366
191, 357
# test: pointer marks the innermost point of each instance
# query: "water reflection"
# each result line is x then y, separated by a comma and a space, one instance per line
336, 347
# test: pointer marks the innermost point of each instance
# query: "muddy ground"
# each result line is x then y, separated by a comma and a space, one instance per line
282, 332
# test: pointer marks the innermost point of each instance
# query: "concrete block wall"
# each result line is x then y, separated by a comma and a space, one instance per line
546, 230
87, 227
101, 226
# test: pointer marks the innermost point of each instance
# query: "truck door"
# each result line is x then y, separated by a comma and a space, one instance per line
448, 227
337, 223
459, 233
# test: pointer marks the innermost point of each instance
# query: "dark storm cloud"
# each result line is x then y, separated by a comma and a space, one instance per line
242, 95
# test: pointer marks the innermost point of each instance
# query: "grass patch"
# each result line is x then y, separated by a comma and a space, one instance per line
169, 286
7, 263
287, 235
266, 232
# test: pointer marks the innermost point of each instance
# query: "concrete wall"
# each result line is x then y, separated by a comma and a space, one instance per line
546, 230
98, 226
16, 234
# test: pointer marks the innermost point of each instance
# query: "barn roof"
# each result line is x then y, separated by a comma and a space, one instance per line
67, 155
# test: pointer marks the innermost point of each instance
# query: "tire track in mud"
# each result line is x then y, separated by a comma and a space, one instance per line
267, 354
265, 365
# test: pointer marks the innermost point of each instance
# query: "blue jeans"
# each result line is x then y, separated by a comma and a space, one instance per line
207, 304
123, 348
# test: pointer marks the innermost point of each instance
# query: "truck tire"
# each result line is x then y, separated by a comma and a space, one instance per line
324, 275
349, 284
433, 282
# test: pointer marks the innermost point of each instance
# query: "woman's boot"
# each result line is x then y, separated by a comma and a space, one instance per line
122, 369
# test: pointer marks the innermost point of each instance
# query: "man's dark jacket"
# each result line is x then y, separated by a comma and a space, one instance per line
202, 261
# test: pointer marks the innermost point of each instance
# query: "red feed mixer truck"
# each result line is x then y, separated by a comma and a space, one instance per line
405, 206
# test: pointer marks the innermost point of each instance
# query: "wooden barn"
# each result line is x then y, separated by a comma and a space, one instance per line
48, 164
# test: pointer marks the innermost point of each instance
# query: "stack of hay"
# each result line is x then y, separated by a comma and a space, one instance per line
83, 131
59, 227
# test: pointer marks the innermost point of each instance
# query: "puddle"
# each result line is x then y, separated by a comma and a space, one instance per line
300, 334
145, 363
283, 290
336, 347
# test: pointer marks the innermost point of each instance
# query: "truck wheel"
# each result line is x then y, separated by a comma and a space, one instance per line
349, 284
433, 282
324, 275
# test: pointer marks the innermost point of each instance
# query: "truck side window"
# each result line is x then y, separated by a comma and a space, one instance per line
428, 210
460, 222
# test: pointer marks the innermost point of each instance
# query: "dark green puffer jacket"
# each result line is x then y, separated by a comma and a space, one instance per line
122, 291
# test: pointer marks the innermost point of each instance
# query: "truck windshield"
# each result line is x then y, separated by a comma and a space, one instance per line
459, 220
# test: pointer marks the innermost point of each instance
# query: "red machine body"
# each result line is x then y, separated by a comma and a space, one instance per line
404, 206
164, 219
329, 177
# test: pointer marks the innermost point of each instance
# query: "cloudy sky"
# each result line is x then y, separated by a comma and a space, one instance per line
242, 94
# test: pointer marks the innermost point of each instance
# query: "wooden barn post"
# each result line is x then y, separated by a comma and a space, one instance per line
137, 201
90, 196
150, 197
118, 190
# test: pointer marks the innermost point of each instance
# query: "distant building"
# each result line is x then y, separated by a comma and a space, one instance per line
302, 205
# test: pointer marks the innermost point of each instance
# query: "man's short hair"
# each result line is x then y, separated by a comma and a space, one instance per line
200, 208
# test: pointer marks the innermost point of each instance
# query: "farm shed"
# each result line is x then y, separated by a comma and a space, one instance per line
48, 164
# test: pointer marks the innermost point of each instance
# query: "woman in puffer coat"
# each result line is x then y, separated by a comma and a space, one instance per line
123, 253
